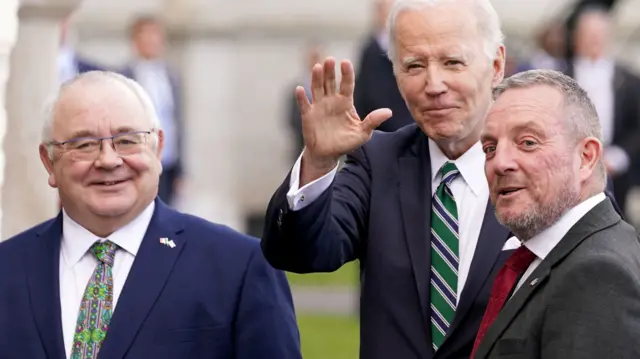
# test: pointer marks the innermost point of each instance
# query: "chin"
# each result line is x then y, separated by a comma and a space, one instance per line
112, 207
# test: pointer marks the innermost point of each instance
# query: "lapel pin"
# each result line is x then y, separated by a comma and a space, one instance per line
534, 282
167, 242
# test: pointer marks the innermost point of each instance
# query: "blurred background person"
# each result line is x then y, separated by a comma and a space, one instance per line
313, 54
615, 92
70, 62
149, 68
376, 85
550, 51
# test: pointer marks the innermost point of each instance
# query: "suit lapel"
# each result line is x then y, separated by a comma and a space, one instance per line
601, 216
415, 201
43, 280
151, 269
490, 242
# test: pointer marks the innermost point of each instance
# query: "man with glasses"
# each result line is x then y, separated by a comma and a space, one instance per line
117, 272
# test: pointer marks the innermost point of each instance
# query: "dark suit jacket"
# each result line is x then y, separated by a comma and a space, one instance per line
378, 211
177, 109
626, 132
583, 300
376, 87
212, 296
84, 65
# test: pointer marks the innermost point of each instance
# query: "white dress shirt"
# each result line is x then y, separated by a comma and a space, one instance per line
77, 264
542, 244
597, 78
470, 189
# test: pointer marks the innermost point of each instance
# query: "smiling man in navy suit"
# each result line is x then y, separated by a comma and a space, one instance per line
117, 274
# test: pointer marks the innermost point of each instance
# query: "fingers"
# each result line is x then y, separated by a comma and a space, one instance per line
347, 83
375, 118
317, 83
303, 101
329, 76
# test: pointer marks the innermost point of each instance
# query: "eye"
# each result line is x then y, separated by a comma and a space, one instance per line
488, 149
453, 63
84, 144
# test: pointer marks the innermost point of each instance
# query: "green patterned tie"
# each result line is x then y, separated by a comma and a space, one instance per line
444, 256
96, 307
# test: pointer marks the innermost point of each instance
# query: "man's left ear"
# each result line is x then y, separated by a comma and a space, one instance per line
499, 66
159, 143
590, 155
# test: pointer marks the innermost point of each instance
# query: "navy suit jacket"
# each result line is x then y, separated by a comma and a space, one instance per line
211, 296
378, 211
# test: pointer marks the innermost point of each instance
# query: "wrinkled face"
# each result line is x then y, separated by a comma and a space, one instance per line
106, 184
149, 41
532, 165
443, 73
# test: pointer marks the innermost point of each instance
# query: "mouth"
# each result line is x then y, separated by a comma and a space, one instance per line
508, 192
109, 183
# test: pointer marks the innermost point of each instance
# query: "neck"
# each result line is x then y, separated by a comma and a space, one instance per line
103, 226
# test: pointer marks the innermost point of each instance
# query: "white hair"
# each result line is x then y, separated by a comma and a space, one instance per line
96, 76
485, 14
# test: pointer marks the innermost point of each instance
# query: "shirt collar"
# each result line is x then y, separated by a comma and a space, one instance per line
470, 165
542, 244
77, 240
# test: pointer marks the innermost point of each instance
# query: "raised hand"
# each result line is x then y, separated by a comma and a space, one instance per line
330, 125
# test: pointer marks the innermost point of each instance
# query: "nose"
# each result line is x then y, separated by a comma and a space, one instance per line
435, 84
502, 161
107, 157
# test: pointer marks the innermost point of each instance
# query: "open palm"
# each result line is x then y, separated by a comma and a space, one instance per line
330, 125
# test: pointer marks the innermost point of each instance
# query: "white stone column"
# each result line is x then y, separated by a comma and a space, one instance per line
26, 197
8, 33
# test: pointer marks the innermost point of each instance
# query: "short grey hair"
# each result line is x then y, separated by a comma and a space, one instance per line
582, 118
95, 76
486, 15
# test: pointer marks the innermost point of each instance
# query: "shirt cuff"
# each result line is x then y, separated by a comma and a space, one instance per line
299, 198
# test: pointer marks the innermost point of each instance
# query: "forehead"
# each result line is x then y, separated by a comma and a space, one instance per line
539, 105
98, 109
442, 27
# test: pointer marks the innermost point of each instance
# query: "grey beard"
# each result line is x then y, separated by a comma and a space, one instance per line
537, 219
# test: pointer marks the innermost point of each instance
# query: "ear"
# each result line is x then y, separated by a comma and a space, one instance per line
498, 66
48, 165
160, 143
590, 150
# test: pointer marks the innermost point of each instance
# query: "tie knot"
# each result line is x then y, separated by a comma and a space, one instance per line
449, 172
521, 259
105, 251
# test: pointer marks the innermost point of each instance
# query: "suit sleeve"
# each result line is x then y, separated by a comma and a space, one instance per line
266, 323
595, 315
328, 232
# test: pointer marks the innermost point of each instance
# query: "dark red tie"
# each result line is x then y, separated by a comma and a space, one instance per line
517, 263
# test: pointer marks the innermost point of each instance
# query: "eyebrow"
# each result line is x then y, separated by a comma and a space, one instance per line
529, 126
88, 133
408, 60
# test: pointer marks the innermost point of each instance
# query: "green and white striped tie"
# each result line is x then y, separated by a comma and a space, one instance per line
444, 256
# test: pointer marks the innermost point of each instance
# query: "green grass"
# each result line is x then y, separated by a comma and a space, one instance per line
329, 337
345, 276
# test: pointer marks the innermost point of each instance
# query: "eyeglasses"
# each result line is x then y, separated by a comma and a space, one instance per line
88, 148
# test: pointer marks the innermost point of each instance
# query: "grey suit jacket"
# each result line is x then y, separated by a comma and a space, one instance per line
582, 301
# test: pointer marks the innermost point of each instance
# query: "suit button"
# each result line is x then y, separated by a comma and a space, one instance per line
280, 214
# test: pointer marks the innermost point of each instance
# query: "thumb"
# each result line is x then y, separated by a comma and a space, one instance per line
375, 118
